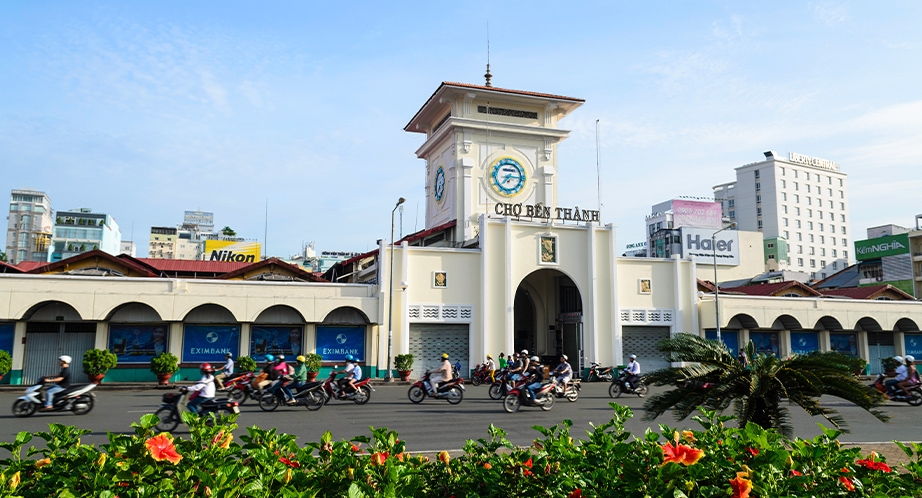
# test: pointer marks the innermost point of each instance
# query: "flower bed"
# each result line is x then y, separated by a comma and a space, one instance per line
716, 461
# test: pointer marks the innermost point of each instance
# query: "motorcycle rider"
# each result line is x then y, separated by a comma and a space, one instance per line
298, 379
491, 367
535, 377
268, 373
353, 373
226, 370
520, 365
440, 375
912, 375
633, 370
901, 374
563, 372
62, 381
205, 387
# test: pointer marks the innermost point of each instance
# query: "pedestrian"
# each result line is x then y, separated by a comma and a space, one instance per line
743, 359
502, 361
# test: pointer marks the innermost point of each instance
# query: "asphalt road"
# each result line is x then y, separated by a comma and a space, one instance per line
435, 425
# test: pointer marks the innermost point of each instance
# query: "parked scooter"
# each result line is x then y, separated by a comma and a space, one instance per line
76, 398
620, 386
518, 397
915, 392
310, 396
452, 391
597, 373
570, 391
175, 403
332, 391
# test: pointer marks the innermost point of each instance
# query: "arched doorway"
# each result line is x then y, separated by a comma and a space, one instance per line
548, 317
55, 328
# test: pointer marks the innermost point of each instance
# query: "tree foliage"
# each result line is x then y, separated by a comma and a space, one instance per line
713, 378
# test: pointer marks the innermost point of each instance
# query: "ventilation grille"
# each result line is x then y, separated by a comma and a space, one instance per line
648, 316
441, 313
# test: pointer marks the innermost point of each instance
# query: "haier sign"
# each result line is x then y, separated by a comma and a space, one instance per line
696, 242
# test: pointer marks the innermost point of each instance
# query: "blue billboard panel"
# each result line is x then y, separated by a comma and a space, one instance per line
844, 343
913, 343
285, 340
765, 342
804, 342
209, 342
6, 337
334, 343
730, 338
137, 343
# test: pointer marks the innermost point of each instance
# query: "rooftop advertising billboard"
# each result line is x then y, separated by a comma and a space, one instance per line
696, 242
890, 245
228, 250
697, 214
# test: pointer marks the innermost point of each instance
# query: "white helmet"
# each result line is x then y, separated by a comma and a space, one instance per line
633, 357
523, 352
535, 359
899, 359
910, 359
65, 359
564, 357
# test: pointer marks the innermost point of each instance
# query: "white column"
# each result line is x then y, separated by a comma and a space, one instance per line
19, 346
466, 195
591, 346
616, 331
245, 331
404, 346
678, 317
380, 330
694, 302
485, 289
508, 291
101, 335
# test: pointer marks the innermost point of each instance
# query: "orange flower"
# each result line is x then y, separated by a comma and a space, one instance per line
355, 447
528, 463
290, 463
378, 458
41, 463
161, 448
741, 487
14, 481
487, 466
444, 458
689, 436
680, 453
796, 473
868, 463
847, 483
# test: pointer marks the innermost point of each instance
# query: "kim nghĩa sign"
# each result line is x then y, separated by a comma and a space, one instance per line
889, 245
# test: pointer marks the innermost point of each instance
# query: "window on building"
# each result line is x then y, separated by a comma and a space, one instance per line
758, 199
757, 173
844, 243
784, 184
822, 239
832, 228
731, 203
758, 186
797, 222
809, 213
809, 201
841, 194
817, 177
758, 211
800, 249
809, 225
760, 224
810, 235
842, 217
797, 198
821, 227
795, 173
812, 251
23, 239
834, 253
733, 214
782, 171
812, 263
784, 221
845, 255
843, 229
833, 240
786, 235
800, 261
784, 209
796, 186
842, 206
830, 179
823, 275
822, 263
784, 196
797, 211
840, 182
808, 188
800, 236
771, 256
829, 191
22, 254
835, 264
823, 253
830, 204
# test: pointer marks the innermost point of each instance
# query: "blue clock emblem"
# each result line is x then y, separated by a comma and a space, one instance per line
507, 176
439, 188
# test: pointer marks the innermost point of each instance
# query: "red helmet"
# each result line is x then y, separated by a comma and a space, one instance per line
206, 368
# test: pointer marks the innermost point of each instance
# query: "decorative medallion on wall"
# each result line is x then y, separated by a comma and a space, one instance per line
439, 186
547, 249
507, 176
440, 279
644, 285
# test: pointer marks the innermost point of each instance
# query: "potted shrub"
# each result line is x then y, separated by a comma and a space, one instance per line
889, 365
246, 364
404, 365
312, 362
6, 362
164, 365
96, 362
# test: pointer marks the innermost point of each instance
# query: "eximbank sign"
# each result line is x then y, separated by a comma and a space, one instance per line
890, 245
228, 250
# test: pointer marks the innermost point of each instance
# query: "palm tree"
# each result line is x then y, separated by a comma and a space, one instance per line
713, 378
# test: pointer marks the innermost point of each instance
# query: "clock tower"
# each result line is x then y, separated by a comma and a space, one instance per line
487, 146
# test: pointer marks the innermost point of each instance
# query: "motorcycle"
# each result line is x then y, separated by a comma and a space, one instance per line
360, 396
310, 396
915, 392
620, 386
76, 398
570, 391
452, 391
238, 387
456, 370
502, 386
597, 373
481, 375
174, 403
518, 397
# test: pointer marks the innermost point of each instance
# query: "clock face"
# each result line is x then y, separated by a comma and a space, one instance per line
507, 176
439, 187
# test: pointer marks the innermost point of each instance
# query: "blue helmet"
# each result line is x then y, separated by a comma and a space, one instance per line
349, 357
269, 357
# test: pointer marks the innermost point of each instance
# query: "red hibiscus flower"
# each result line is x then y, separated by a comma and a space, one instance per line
355, 447
161, 448
796, 473
847, 483
869, 463
528, 463
378, 458
680, 453
577, 493
753, 451
741, 487
289, 463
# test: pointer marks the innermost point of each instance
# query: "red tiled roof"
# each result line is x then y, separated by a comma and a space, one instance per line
868, 292
30, 265
413, 237
297, 270
8, 268
193, 265
769, 289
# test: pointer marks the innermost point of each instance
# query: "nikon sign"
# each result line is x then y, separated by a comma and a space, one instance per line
698, 243
890, 245
229, 250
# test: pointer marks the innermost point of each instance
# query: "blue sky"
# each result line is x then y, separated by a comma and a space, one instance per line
145, 109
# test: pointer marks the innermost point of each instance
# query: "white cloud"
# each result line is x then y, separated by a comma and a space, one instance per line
831, 13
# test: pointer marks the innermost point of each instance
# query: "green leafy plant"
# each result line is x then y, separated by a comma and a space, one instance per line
98, 361
313, 362
246, 364
6, 362
889, 364
164, 363
403, 362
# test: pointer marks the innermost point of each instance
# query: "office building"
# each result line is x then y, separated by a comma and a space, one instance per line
202, 221
82, 230
28, 233
800, 199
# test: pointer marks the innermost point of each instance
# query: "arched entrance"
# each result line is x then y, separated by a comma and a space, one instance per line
548, 317
54, 328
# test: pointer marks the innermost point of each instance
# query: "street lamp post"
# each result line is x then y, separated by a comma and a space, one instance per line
716, 286
390, 298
